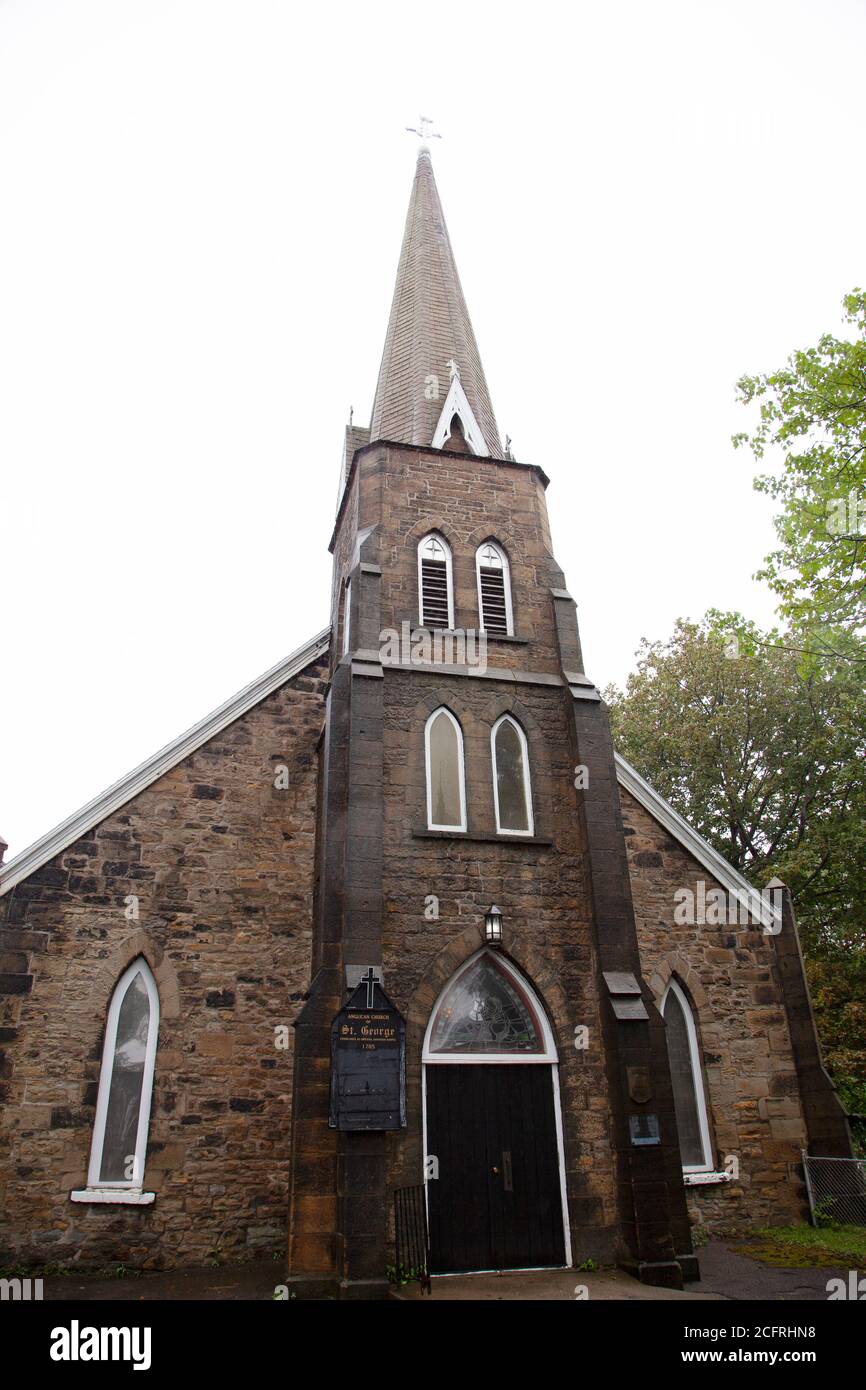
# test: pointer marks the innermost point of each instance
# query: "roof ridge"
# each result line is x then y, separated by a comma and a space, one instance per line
691, 840
122, 791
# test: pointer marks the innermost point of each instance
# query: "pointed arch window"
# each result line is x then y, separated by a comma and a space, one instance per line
126, 1082
494, 590
446, 783
435, 584
512, 792
690, 1101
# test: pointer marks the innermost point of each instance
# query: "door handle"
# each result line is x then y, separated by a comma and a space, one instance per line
507, 1182
494, 1171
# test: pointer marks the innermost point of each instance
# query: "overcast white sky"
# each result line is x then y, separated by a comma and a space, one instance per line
202, 205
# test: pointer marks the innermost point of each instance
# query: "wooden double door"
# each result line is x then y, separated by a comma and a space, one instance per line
497, 1200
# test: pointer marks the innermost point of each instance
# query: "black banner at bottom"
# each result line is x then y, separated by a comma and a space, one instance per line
217, 1341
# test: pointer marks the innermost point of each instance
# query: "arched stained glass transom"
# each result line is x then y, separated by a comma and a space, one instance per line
488, 1010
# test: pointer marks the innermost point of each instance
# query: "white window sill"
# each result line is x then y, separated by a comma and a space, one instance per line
122, 1196
705, 1179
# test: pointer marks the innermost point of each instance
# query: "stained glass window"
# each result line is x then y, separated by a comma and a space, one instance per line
485, 1011
127, 1075
126, 1079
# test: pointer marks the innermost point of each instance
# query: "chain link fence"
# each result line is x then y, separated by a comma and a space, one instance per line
837, 1190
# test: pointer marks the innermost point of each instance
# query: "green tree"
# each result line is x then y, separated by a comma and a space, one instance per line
814, 410
764, 753
837, 984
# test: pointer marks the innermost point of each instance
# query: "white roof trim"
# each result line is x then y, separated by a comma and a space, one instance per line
457, 403
724, 873
65, 834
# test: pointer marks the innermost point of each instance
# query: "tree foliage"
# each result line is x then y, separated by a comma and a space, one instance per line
814, 410
763, 751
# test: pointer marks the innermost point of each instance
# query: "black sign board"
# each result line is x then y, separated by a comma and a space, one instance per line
368, 1062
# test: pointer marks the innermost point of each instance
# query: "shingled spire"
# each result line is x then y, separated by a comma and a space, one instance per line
431, 358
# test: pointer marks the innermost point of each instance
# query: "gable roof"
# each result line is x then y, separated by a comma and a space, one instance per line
429, 327
116, 796
700, 849
111, 800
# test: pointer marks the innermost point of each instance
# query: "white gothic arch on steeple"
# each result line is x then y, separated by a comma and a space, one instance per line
457, 403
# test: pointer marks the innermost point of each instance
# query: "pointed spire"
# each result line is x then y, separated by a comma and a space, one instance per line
429, 335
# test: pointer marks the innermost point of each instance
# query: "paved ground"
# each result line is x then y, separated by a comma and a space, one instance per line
247, 1282
548, 1286
726, 1274
726, 1271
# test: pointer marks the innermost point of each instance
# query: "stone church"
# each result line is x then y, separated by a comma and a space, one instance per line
424, 797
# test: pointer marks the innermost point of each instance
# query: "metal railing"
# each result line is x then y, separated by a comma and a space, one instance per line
410, 1237
837, 1190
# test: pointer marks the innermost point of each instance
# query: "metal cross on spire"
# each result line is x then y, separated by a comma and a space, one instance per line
422, 131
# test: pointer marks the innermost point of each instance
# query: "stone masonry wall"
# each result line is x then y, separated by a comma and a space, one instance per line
730, 974
406, 493
222, 864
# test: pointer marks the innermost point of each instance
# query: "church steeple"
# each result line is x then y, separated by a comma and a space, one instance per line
431, 369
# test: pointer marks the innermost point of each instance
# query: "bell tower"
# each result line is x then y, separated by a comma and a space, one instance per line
447, 601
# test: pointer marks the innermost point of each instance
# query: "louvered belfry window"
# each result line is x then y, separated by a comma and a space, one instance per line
434, 583
494, 590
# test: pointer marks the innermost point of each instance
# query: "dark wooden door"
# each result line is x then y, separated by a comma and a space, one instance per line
496, 1203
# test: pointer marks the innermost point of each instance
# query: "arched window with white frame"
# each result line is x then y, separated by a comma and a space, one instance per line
126, 1082
435, 582
512, 790
446, 779
494, 590
690, 1102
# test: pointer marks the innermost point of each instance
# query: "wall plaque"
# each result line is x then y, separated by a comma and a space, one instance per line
639, 1084
644, 1129
368, 1062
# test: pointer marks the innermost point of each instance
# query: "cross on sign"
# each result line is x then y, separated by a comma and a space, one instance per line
370, 980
